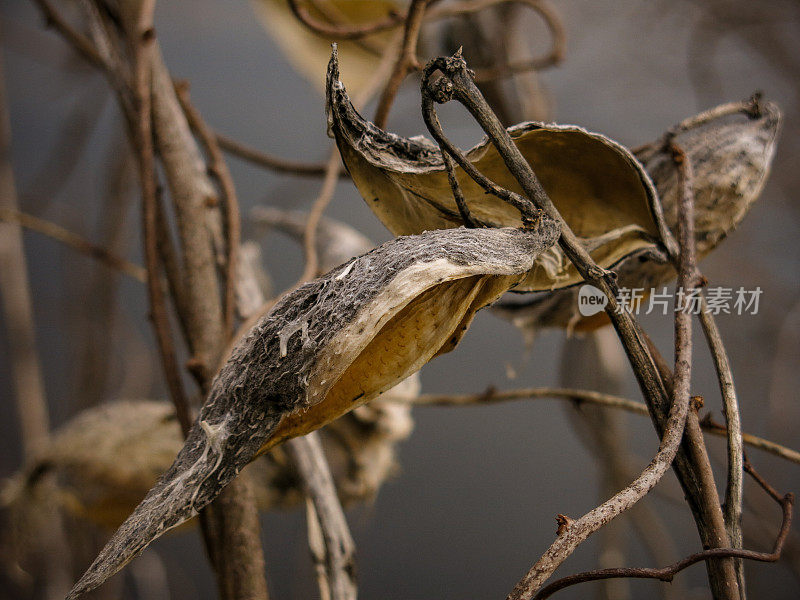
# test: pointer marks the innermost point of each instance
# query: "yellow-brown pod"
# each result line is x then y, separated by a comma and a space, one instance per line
597, 185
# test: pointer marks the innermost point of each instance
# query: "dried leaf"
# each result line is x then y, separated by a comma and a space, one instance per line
323, 350
597, 185
308, 51
731, 157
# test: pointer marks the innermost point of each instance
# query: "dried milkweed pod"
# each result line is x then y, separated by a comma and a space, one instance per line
324, 349
731, 149
597, 185
307, 51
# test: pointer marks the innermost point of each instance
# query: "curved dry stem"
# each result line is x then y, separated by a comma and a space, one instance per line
340, 32
74, 241
492, 396
269, 161
734, 491
544, 9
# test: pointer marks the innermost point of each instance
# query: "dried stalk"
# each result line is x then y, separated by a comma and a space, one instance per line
191, 192
74, 241
219, 169
268, 161
668, 573
339, 556
491, 396
332, 170
406, 60
457, 83
734, 490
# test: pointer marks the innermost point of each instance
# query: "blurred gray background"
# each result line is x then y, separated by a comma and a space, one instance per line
474, 503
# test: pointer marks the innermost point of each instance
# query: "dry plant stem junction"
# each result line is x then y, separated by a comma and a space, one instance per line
456, 82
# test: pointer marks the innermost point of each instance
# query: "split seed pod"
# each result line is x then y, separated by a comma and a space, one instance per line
597, 185
731, 149
324, 349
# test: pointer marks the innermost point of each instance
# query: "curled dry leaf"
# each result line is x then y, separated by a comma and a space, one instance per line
307, 51
105, 459
324, 349
597, 185
731, 154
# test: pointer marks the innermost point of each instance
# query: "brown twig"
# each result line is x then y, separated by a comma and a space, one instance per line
74, 241
343, 33
263, 159
77, 40
734, 490
406, 63
219, 169
786, 503
544, 9
195, 206
492, 396
339, 555
457, 83
142, 59
321, 202
726, 577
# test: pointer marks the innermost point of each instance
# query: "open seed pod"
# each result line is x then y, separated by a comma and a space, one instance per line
599, 188
324, 349
731, 149
307, 51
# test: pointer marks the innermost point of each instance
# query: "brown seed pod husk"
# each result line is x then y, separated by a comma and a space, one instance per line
597, 185
731, 148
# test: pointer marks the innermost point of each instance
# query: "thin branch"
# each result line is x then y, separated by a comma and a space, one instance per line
143, 57
492, 396
219, 169
406, 60
321, 202
309, 458
77, 40
194, 198
343, 33
74, 241
456, 82
668, 573
734, 490
545, 10
269, 161
725, 581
